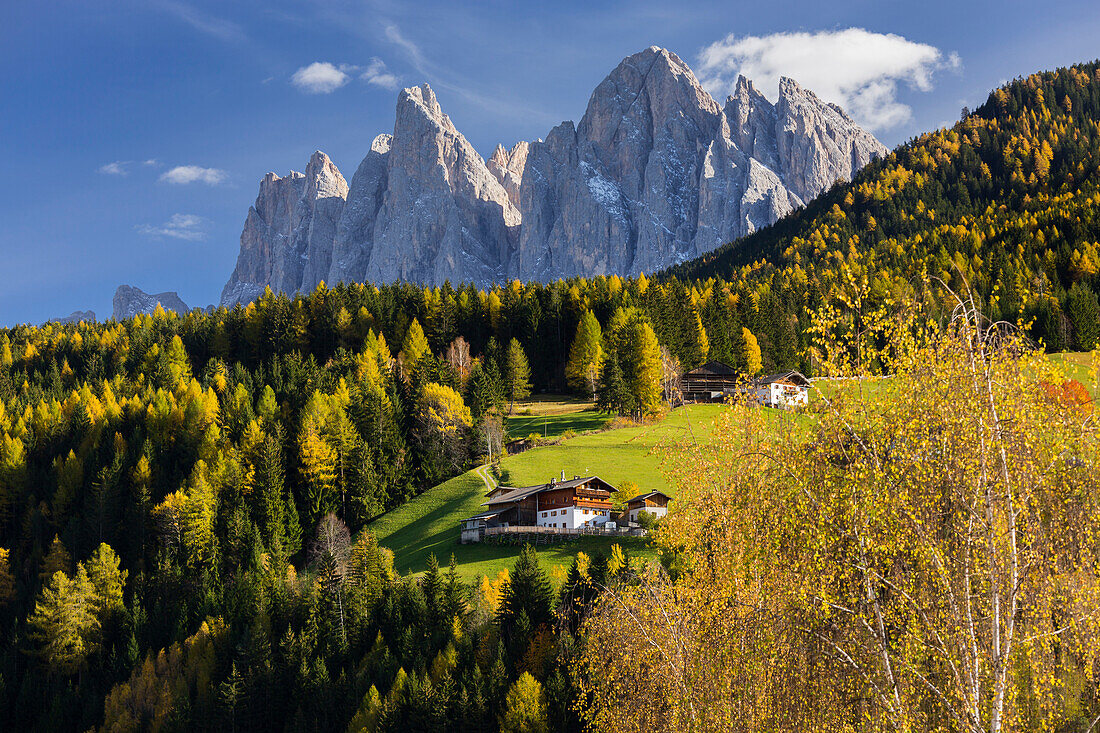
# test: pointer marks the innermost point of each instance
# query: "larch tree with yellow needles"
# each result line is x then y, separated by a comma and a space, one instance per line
920, 558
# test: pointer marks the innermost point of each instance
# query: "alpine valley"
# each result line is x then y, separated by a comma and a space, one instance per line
656, 173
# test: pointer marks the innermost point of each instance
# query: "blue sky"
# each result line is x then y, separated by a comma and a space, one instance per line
135, 133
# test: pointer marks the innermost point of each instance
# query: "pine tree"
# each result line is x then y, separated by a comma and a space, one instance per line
528, 591
525, 708
107, 581
698, 343
267, 407
486, 388
517, 374
582, 371
1084, 312
366, 498
614, 394
174, 364
7, 580
415, 346
432, 585
269, 489
199, 512
63, 623
454, 593
57, 559
645, 366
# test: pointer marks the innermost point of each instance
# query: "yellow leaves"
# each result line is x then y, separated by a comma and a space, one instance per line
168, 516
7, 580
558, 574
584, 563
443, 410
752, 356
490, 592
617, 561
415, 345
318, 460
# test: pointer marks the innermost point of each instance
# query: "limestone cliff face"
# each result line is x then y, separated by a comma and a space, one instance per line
288, 236
810, 144
129, 301
621, 193
656, 172
443, 214
507, 167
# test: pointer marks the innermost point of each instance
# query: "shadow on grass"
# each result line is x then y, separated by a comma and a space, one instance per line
553, 426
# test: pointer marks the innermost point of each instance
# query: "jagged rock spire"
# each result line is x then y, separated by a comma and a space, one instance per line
655, 172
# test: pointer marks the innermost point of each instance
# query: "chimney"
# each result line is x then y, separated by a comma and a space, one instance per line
563, 474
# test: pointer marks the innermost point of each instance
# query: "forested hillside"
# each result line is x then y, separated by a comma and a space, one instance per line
1007, 201
185, 500
170, 475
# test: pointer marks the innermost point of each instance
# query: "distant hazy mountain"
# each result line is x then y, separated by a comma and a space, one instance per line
129, 301
76, 317
655, 173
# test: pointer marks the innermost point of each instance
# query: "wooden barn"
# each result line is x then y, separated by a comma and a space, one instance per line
709, 383
653, 502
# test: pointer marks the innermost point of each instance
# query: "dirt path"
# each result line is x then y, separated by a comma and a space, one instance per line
483, 473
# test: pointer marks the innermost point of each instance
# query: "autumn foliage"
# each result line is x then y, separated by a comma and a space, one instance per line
923, 560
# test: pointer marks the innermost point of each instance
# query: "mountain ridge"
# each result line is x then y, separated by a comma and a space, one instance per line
652, 175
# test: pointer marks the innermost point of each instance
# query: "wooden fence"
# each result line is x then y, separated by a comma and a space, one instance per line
548, 535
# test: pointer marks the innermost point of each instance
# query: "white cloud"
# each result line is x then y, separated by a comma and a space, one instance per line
857, 69
179, 226
394, 34
192, 174
151, 161
117, 168
379, 75
320, 77
220, 28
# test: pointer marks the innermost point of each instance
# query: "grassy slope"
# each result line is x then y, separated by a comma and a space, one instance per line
1081, 366
553, 426
429, 523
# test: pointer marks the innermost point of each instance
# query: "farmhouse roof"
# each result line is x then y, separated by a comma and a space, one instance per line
524, 492
712, 368
484, 515
647, 495
797, 377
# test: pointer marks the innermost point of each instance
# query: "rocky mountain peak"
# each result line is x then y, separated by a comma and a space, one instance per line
324, 178
75, 317
817, 142
654, 84
417, 108
654, 173
507, 167
129, 301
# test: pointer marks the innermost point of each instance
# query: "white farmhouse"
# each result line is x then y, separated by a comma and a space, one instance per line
787, 389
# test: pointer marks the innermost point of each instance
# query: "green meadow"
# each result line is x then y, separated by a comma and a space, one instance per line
430, 522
